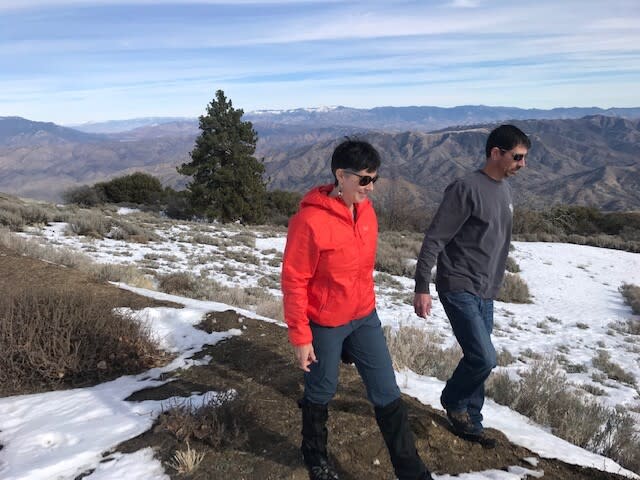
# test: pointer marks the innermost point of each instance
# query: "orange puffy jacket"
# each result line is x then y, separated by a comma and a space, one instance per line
327, 269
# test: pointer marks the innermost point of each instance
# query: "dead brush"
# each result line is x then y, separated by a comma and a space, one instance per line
421, 352
543, 393
631, 294
219, 420
514, 290
54, 338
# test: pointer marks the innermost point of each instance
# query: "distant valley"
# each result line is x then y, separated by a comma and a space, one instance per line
594, 159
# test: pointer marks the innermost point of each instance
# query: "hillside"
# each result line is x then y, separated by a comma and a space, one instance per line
591, 160
108, 431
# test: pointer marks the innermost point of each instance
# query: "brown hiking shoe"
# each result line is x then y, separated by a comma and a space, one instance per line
461, 423
463, 427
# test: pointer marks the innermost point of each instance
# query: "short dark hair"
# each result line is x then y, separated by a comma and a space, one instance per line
355, 155
506, 137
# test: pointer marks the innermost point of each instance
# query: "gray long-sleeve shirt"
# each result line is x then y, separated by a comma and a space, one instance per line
469, 236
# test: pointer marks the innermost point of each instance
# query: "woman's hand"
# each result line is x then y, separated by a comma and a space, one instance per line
305, 356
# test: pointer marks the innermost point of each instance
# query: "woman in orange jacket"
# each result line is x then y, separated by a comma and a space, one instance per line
329, 306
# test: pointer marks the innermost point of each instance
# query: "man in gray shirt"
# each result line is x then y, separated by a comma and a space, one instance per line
470, 236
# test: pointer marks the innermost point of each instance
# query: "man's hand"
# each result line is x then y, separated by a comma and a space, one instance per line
305, 356
422, 304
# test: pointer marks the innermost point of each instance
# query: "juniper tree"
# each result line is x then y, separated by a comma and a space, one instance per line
227, 182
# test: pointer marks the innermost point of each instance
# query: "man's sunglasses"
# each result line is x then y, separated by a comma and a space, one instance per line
517, 157
364, 179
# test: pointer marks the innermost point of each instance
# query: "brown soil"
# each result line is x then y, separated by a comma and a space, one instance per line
259, 364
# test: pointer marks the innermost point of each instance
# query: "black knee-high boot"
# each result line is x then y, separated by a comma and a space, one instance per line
314, 441
393, 421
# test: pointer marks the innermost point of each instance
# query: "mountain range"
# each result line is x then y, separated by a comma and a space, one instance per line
388, 119
592, 160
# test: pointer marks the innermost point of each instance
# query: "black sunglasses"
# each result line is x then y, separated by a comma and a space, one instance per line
364, 179
517, 157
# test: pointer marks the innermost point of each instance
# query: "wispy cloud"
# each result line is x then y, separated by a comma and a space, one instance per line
75, 60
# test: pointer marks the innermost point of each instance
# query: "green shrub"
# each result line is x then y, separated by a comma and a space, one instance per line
139, 188
280, 205
84, 196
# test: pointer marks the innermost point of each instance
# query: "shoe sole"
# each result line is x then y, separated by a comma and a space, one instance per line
482, 440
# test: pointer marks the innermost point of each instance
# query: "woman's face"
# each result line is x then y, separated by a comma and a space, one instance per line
352, 189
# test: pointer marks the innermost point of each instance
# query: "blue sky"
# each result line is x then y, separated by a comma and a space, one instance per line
73, 61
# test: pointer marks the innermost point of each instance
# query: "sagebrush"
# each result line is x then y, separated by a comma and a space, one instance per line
543, 393
55, 337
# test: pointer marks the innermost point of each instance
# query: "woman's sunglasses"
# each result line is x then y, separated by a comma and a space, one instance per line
364, 179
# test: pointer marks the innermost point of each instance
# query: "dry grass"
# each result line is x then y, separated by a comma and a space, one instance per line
53, 337
16, 214
631, 294
95, 224
90, 223
543, 394
602, 361
512, 266
420, 351
514, 290
73, 259
271, 308
186, 461
504, 357
121, 273
34, 249
202, 288
397, 252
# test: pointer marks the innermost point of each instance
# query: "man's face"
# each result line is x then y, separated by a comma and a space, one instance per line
510, 161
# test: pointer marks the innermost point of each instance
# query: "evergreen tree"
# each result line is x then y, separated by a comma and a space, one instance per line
227, 179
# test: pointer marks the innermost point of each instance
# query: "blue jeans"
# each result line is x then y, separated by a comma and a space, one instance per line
471, 319
363, 341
